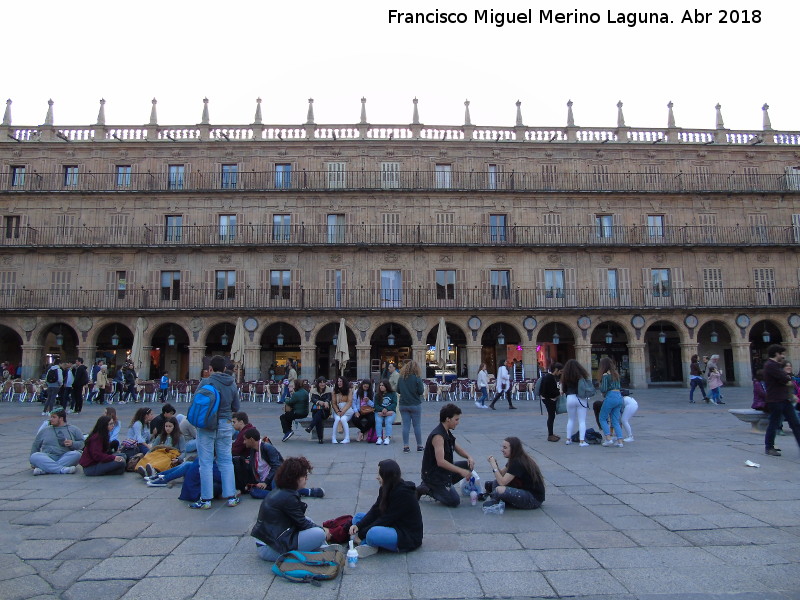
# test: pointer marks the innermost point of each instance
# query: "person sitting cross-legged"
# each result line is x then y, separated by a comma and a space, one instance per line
57, 447
97, 458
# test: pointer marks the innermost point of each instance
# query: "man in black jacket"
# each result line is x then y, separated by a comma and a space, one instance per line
80, 381
548, 390
778, 405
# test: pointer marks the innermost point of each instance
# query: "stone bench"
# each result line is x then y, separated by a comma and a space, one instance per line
758, 419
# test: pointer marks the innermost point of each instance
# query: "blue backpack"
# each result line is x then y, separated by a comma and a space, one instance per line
309, 567
204, 408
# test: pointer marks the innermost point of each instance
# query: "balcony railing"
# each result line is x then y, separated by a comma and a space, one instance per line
249, 299
397, 235
373, 181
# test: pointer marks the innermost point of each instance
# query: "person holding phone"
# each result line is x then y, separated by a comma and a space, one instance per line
57, 447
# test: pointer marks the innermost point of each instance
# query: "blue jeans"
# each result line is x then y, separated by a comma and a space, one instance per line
411, 413
176, 472
378, 537
612, 405
191, 446
695, 383
308, 540
484, 396
714, 395
209, 444
46, 463
383, 422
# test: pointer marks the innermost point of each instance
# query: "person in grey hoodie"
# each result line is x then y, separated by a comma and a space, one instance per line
217, 442
57, 448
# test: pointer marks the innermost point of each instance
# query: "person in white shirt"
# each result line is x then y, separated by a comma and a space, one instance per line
503, 386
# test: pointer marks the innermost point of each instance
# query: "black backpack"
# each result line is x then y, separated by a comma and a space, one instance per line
52, 376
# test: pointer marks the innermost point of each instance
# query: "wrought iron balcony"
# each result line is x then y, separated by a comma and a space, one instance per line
416, 299
403, 181
286, 236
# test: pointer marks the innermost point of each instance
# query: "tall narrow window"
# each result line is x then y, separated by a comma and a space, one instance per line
390, 175
445, 285
173, 228
713, 286
702, 177
662, 283
336, 229
175, 178
170, 285
764, 282
652, 177
122, 284
549, 173
60, 283
335, 282
230, 177
497, 228
336, 175
283, 176
281, 227
390, 224
443, 176
601, 177
500, 283
445, 232
227, 228
554, 283
11, 226
225, 285
494, 172
280, 285
612, 283
796, 227
391, 288
118, 226
8, 283
758, 227
70, 176
17, 176
604, 225
655, 226
123, 173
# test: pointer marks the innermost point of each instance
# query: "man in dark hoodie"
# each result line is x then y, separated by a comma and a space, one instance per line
217, 442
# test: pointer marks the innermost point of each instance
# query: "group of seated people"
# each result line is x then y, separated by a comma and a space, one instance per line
157, 446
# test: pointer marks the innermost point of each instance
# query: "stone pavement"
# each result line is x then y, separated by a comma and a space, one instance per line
676, 514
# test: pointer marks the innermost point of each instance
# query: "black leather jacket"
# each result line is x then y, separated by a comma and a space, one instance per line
281, 518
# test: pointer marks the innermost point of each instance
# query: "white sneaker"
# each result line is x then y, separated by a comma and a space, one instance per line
608, 443
386, 441
583, 444
333, 441
379, 442
628, 439
364, 551
68, 470
568, 442
38, 471
345, 441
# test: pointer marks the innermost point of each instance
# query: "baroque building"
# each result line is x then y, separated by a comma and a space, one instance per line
534, 243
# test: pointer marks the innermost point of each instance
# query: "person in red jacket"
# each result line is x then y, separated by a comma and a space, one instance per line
97, 458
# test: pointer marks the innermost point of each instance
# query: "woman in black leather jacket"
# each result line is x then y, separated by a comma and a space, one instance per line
282, 524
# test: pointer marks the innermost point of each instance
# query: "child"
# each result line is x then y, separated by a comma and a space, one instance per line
164, 386
715, 384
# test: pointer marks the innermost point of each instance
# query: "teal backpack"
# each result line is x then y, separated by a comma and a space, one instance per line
309, 567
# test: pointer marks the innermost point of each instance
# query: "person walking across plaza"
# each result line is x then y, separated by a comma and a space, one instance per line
549, 392
778, 393
217, 442
696, 379
503, 386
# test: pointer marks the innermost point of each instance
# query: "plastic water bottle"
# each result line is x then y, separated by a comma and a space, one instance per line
495, 509
473, 497
352, 556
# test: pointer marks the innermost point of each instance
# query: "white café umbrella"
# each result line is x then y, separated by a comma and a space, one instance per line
137, 350
442, 353
342, 354
237, 346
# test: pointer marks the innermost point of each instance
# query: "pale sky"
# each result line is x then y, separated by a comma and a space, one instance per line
179, 51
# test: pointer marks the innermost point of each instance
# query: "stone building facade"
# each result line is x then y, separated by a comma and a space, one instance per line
533, 243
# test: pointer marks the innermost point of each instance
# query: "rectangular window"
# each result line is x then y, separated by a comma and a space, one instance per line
497, 228
336, 229
283, 176
390, 175
230, 176
445, 232
336, 175
121, 279
796, 227
494, 173
170, 285
70, 176
652, 176
764, 282
751, 177
500, 284
655, 225
280, 285
552, 224
443, 176
758, 227
281, 227
60, 282
662, 283
227, 228
604, 226
702, 177
549, 173
391, 288
8, 283
175, 178
18, 176
712, 286
11, 223
123, 176
612, 283
445, 285
335, 279
601, 178
390, 225
554, 283
118, 226
225, 285
173, 228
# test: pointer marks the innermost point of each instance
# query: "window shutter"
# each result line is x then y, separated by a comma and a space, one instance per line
154, 281
600, 286
647, 288
624, 281
111, 281
570, 287
678, 290
461, 287
541, 296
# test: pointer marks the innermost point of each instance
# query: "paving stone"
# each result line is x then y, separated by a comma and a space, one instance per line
175, 588
116, 567
443, 585
565, 559
623, 558
22, 588
243, 586
583, 582
536, 540
62, 574
206, 545
42, 548
427, 560
188, 565
652, 580
485, 561
602, 539
498, 584
98, 548
148, 546
12, 566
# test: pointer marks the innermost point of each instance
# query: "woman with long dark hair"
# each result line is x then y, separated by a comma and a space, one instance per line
612, 401
571, 376
385, 407
282, 524
138, 438
342, 409
394, 522
364, 406
520, 483
320, 407
97, 458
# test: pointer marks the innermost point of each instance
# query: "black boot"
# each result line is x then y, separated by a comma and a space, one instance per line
511, 406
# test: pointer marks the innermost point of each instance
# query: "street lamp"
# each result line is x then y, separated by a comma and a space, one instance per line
714, 336
280, 337
224, 339
766, 336
609, 337
115, 338
59, 337
391, 339
335, 339
662, 337
556, 337
501, 338
171, 337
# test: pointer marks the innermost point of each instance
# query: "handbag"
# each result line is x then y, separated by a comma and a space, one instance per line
561, 404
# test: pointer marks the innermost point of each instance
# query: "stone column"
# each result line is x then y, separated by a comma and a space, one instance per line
741, 362
637, 365
32, 361
362, 361
418, 356
473, 360
308, 360
196, 354
529, 360
583, 354
252, 363
87, 353
687, 350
